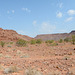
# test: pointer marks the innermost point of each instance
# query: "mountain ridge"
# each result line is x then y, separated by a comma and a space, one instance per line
56, 36
11, 35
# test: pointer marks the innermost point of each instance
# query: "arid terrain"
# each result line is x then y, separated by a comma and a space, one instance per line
44, 58
56, 36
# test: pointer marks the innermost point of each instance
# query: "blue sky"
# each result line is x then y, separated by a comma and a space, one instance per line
33, 17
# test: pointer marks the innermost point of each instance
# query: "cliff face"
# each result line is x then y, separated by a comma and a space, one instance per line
12, 35
72, 32
55, 36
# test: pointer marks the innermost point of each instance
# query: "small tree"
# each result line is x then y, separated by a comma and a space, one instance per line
66, 39
38, 41
33, 41
2, 43
49, 41
60, 41
21, 43
73, 39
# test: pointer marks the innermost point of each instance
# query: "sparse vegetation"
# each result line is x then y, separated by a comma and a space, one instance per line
66, 39
9, 46
21, 43
1, 55
24, 56
33, 41
38, 41
7, 56
54, 44
19, 52
14, 49
73, 39
32, 72
11, 69
49, 41
11, 42
2, 43
61, 40
37, 51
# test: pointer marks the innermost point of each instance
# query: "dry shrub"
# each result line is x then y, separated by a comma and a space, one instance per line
2, 43
30, 71
11, 69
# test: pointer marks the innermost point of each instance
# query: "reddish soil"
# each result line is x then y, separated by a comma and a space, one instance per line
47, 59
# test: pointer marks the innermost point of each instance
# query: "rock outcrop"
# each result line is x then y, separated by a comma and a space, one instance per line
11, 35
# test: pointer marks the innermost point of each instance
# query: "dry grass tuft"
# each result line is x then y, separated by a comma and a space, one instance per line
30, 71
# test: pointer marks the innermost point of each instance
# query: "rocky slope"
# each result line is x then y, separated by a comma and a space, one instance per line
55, 36
11, 35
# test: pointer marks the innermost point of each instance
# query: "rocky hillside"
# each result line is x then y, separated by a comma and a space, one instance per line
55, 36
11, 35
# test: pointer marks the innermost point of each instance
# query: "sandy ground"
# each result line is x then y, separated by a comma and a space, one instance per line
49, 60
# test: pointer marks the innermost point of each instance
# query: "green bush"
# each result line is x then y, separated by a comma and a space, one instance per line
21, 43
66, 39
54, 44
2, 43
33, 41
49, 41
73, 39
61, 40
11, 42
38, 41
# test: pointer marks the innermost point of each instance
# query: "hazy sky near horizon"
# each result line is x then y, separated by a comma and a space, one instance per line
32, 17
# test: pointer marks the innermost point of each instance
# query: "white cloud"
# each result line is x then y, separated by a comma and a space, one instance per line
8, 12
71, 12
26, 9
46, 28
69, 19
13, 11
60, 5
59, 14
34, 22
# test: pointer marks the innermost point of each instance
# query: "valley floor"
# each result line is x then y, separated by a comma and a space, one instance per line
49, 60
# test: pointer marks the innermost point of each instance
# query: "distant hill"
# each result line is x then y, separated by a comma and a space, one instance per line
55, 36
11, 35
